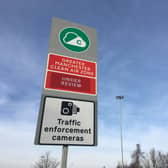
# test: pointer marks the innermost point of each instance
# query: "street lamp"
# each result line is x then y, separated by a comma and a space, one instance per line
120, 98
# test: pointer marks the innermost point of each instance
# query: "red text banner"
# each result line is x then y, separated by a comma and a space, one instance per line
71, 65
73, 83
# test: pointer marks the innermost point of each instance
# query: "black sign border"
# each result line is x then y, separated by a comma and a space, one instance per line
94, 124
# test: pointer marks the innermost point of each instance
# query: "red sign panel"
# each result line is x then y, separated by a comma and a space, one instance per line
71, 65
70, 74
60, 81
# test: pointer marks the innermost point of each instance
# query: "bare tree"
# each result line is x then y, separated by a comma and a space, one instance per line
119, 165
137, 158
46, 162
155, 159
150, 159
146, 163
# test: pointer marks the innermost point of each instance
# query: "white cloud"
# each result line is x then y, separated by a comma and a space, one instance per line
19, 110
5, 90
20, 59
3, 100
17, 145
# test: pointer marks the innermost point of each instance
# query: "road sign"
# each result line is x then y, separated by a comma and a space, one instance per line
70, 76
64, 122
66, 64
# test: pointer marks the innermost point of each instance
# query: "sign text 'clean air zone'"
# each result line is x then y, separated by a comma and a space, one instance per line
71, 75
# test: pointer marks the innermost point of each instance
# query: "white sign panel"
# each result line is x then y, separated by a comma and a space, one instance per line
67, 121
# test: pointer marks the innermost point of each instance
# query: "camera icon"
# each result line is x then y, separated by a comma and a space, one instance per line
69, 108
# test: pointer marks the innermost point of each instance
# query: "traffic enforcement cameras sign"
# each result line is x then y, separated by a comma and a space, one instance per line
67, 121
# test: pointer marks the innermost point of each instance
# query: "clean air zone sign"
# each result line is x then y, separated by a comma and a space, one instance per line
68, 107
74, 39
72, 75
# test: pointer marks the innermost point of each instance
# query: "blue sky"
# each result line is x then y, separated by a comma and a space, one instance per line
132, 61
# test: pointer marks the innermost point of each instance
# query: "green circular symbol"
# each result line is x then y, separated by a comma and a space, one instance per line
74, 39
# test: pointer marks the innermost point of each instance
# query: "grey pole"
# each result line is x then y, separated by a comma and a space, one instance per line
120, 98
64, 156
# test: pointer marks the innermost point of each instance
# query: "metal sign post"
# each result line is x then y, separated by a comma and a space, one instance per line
64, 156
120, 98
